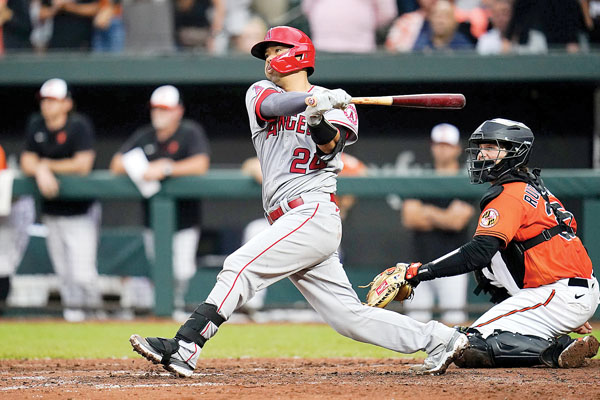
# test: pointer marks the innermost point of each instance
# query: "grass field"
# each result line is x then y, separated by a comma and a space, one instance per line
55, 339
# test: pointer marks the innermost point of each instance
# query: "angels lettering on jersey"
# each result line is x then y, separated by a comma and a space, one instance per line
287, 154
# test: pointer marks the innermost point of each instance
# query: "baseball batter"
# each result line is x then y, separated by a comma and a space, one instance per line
530, 258
299, 149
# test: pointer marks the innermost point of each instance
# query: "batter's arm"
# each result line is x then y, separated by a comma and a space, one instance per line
283, 104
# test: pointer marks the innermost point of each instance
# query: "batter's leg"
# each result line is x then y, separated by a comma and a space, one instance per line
295, 242
327, 289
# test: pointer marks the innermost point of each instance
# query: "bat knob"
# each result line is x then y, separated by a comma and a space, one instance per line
310, 101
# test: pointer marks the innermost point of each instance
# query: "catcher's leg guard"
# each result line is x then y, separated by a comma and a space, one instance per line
201, 325
508, 349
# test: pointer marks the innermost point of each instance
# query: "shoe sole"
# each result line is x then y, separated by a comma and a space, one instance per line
144, 350
457, 350
574, 356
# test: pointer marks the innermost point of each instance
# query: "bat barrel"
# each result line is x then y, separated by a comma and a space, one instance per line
435, 100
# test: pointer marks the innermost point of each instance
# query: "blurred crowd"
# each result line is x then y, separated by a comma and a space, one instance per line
340, 26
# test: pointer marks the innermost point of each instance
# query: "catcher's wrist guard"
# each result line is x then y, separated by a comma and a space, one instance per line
389, 285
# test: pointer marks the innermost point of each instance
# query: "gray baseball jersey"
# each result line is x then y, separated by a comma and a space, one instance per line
302, 243
288, 156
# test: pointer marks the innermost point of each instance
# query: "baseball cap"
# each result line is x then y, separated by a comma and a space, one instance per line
54, 89
445, 133
166, 97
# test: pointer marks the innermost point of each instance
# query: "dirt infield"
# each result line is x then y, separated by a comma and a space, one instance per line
253, 378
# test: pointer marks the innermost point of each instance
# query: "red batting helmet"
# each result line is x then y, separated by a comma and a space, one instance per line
301, 46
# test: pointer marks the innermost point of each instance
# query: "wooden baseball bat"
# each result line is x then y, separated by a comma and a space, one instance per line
449, 101
453, 101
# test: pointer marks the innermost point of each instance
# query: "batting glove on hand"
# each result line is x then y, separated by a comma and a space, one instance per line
318, 104
339, 98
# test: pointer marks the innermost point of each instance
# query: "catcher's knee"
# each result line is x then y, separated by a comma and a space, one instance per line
504, 349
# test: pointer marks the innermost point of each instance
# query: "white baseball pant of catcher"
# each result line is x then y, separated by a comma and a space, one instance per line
302, 246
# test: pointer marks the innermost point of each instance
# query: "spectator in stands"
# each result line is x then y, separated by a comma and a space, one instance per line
439, 226
406, 6
347, 26
591, 17
240, 21
149, 26
174, 147
253, 32
473, 18
109, 29
443, 35
406, 29
13, 230
72, 23
41, 30
494, 41
561, 21
273, 11
60, 141
199, 24
15, 25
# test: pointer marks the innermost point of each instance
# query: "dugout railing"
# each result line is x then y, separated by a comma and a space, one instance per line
582, 184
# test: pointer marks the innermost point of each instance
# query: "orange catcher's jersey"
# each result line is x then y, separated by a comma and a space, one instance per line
520, 213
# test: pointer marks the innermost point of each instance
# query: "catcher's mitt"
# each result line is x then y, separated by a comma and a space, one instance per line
389, 285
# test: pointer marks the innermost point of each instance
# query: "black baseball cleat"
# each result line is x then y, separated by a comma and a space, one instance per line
176, 356
574, 354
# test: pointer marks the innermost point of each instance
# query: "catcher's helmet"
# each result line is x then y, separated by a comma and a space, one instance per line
512, 136
300, 43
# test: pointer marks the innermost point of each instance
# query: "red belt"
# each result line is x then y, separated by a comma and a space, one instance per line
276, 214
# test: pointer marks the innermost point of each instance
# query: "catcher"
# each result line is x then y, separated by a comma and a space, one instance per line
525, 253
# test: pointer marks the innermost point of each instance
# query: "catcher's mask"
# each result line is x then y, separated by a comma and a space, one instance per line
300, 56
513, 137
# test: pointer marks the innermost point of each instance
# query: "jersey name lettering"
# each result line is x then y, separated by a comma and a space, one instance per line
531, 196
290, 123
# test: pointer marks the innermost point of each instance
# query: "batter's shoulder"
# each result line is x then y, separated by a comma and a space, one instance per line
261, 85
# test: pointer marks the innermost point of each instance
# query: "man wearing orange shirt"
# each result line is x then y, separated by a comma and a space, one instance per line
526, 254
